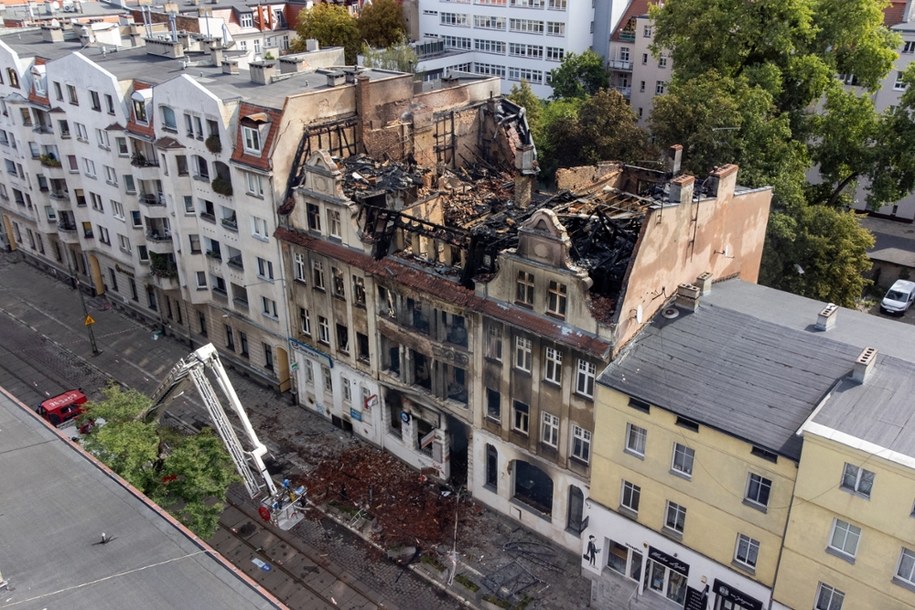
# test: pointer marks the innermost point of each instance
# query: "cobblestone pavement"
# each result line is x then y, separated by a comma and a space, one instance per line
496, 551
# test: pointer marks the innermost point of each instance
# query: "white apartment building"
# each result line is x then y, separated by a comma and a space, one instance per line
514, 39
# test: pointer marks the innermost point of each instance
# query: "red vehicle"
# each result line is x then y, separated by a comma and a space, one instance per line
63, 407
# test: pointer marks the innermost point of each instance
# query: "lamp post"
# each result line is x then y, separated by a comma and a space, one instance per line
87, 320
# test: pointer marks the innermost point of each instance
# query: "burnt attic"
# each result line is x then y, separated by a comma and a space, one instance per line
457, 223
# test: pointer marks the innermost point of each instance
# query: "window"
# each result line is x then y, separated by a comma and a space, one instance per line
629, 498
829, 598
899, 84
758, 489
556, 28
305, 321
556, 301
347, 390
142, 252
456, 19
328, 378
358, 291
268, 356
259, 229
662, 61
342, 338
313, 213
523, 353
101, 136
906, 570
584, 382
117, 209
252, 140
269, 307
675, 518
525, 288
646, 31
111, 176
635, 439
58, 92
844, 538
81, 133
298, 265
317, 274
747, 551
339, 283
858, 480
255, 184
581, 444
362, 346
264, 268
194, 241
659, 87
552, 368
520, 417
246, 20
103, 235
494, 342
89, 167
549, 430
334, 226
71, 95
96, 102
682, 462
109, 104
323, 330
908, 47
493, 404
201, 279
168, 119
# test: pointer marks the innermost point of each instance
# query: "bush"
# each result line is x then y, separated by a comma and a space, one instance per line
222, 186
213, 144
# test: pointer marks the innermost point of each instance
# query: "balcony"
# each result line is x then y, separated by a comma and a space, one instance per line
620, 65
165, 282
230, 223
147, 168
153, 204
626, 92
67, 231
160, 242
627, 36
236, 262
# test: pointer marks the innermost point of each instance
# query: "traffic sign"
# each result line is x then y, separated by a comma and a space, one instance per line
89, 320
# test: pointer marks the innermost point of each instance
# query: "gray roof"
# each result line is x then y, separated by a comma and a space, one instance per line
750, 361
56, 503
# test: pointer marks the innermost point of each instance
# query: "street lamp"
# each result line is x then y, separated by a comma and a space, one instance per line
87, 319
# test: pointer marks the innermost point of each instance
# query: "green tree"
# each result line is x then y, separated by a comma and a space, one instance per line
524, 96
399, 56
332, 26
187, 475
382, 24
579, 76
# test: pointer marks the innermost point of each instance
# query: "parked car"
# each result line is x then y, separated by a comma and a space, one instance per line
63, 407
899, 297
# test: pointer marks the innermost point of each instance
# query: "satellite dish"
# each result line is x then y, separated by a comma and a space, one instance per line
639, 314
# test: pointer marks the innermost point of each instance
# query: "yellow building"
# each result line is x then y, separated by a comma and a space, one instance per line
850, 542
697, 450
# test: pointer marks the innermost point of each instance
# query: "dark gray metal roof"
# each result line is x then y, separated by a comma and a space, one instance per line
54, 506
750, 361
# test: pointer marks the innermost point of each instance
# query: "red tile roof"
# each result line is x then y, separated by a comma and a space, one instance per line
451, 292
892, 14
259, 114
636, 8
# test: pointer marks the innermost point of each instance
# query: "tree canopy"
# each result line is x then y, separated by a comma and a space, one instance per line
579, 76
332, 26
382, 24
399, 56
186, 474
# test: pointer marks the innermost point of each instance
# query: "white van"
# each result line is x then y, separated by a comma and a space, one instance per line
899, 297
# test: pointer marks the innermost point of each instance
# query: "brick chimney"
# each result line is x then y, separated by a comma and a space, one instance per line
680, 189
674, 158
723, 181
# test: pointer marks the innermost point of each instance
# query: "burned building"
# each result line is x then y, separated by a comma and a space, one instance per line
453, 317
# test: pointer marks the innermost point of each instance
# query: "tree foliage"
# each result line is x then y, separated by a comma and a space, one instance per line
382, 24
332, 26
579, 76
188, 475
524, 96
399, 56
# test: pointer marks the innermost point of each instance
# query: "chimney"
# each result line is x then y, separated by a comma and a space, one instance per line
311, 44
680, 189
216, 54
262, 72
290, 64
230, 66
52, 33
723, 181
864, 365
687, 297
335, 77
674, 157
704, 282
826, 319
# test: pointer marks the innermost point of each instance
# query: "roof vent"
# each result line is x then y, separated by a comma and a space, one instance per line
864, 364
670, 312
826, 319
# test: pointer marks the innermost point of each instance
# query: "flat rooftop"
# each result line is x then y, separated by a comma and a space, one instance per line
55, 504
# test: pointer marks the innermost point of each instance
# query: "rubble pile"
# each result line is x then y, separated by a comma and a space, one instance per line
365, 174
406, 508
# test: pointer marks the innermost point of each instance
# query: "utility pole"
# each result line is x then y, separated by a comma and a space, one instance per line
87, 319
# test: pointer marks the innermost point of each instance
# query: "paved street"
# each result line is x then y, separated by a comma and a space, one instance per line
41, 324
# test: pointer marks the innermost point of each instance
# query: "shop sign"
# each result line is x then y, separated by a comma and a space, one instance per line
736, 597
671, 562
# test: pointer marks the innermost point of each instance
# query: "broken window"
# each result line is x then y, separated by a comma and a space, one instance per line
520, 417
362, 346
492, 467
390, 354
523, 353
425, 435
339, 283
533, 487
395, 423
494, 342
358, 291
524, 294
333, 223
493, 404
556, 301
457, 330
386, 302
418, 318
313, 212
342, 338
422, 373
456, 379
552, 367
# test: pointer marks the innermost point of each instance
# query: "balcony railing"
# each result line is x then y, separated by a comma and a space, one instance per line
626, 92
230, 223
214, 255
620, 64
235, 261
156, 235
152, 198
140, 160
63, 225
627, 36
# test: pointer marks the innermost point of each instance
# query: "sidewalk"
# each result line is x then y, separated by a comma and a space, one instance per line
492, 551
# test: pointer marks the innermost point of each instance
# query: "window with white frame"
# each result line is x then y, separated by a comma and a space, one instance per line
102, 137
899, 84
269, 307
494, 341
584, 382
746, 553
520, 417
635, 439
459, 43
313, 216
844, 538
523, 353
246, 20
675, 517
529, 26
305, 321
524, 288
89, 167
124, 243
682, 460
630, 496
552, 365
338, 282
905, 571
264, 268
81, 133
557, 5
334, 225
358, 291
516, 49
97, 204
489, 46
317, 274
858, 480
531, 76
251, 140
489, 22
111, 175
323, 330
555, 53
659, 87
581, 444
758, 489
259, 228
456, 19
201, 279
549, 430
557, 298
347, 390
298, 265
829, 598
255, 184
555, 28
